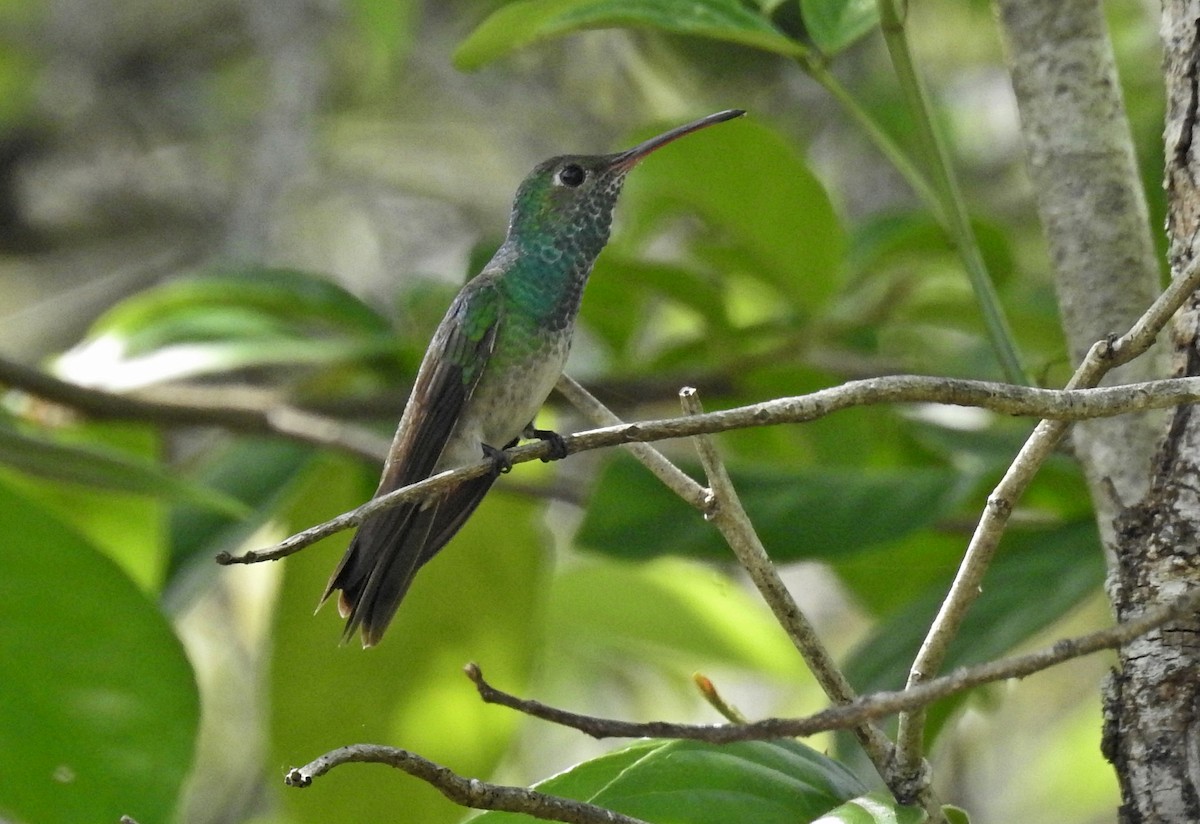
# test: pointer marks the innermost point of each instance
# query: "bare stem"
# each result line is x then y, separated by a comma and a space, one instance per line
659, 465
467, 792
861, 710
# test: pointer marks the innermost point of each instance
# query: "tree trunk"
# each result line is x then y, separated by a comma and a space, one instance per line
1079, 153
1152, 710
1081, 161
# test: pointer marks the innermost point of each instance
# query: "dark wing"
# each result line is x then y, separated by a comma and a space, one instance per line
391, 545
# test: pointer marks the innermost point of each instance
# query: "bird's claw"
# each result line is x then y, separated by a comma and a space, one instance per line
501, 462
558, 446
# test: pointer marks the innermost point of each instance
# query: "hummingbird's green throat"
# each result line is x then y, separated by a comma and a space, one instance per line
492, 362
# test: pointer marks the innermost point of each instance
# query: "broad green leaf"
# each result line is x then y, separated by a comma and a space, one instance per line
98, 708
224, 322
914, 238
663, 612
105, 469
128, 527
518, 24
1059, 488
282, 294
769, 218
873, 808
478, 600
887, 579
835, 24
802, 514
1036, 577
689, 782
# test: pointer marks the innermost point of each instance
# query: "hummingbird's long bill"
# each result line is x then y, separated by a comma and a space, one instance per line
628, 158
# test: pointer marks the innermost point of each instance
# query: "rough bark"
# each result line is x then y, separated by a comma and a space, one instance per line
1081, 161
1152, 734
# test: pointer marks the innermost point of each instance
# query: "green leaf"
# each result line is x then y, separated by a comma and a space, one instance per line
223, 322
127, 527
690, 782
282, 294
521, 23
659, 613
835, 24
955, 815
621, 287
873, 808
812, 513
106, 469
255, 471
386, 29
915, 239
98, 708
1036, 577
768, 216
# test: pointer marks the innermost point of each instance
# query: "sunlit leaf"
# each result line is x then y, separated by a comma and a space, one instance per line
283, 294
527, 21
98, 709
663, 612
768, 216
224, 322
689, 782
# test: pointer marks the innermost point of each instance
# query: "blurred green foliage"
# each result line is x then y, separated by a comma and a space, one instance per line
757, 260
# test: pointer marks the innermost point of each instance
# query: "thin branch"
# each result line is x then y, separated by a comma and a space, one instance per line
999, 397
466, 792
1102, 357
183, 406
864, 709
726, 513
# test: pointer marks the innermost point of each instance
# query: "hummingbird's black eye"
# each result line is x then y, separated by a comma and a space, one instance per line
571, 175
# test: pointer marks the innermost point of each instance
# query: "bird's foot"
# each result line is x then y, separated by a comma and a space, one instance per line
558, 447
501, 462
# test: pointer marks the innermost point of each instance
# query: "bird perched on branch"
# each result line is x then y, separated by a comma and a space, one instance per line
492, 362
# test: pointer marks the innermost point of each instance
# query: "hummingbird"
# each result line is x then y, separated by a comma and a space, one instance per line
492, 362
